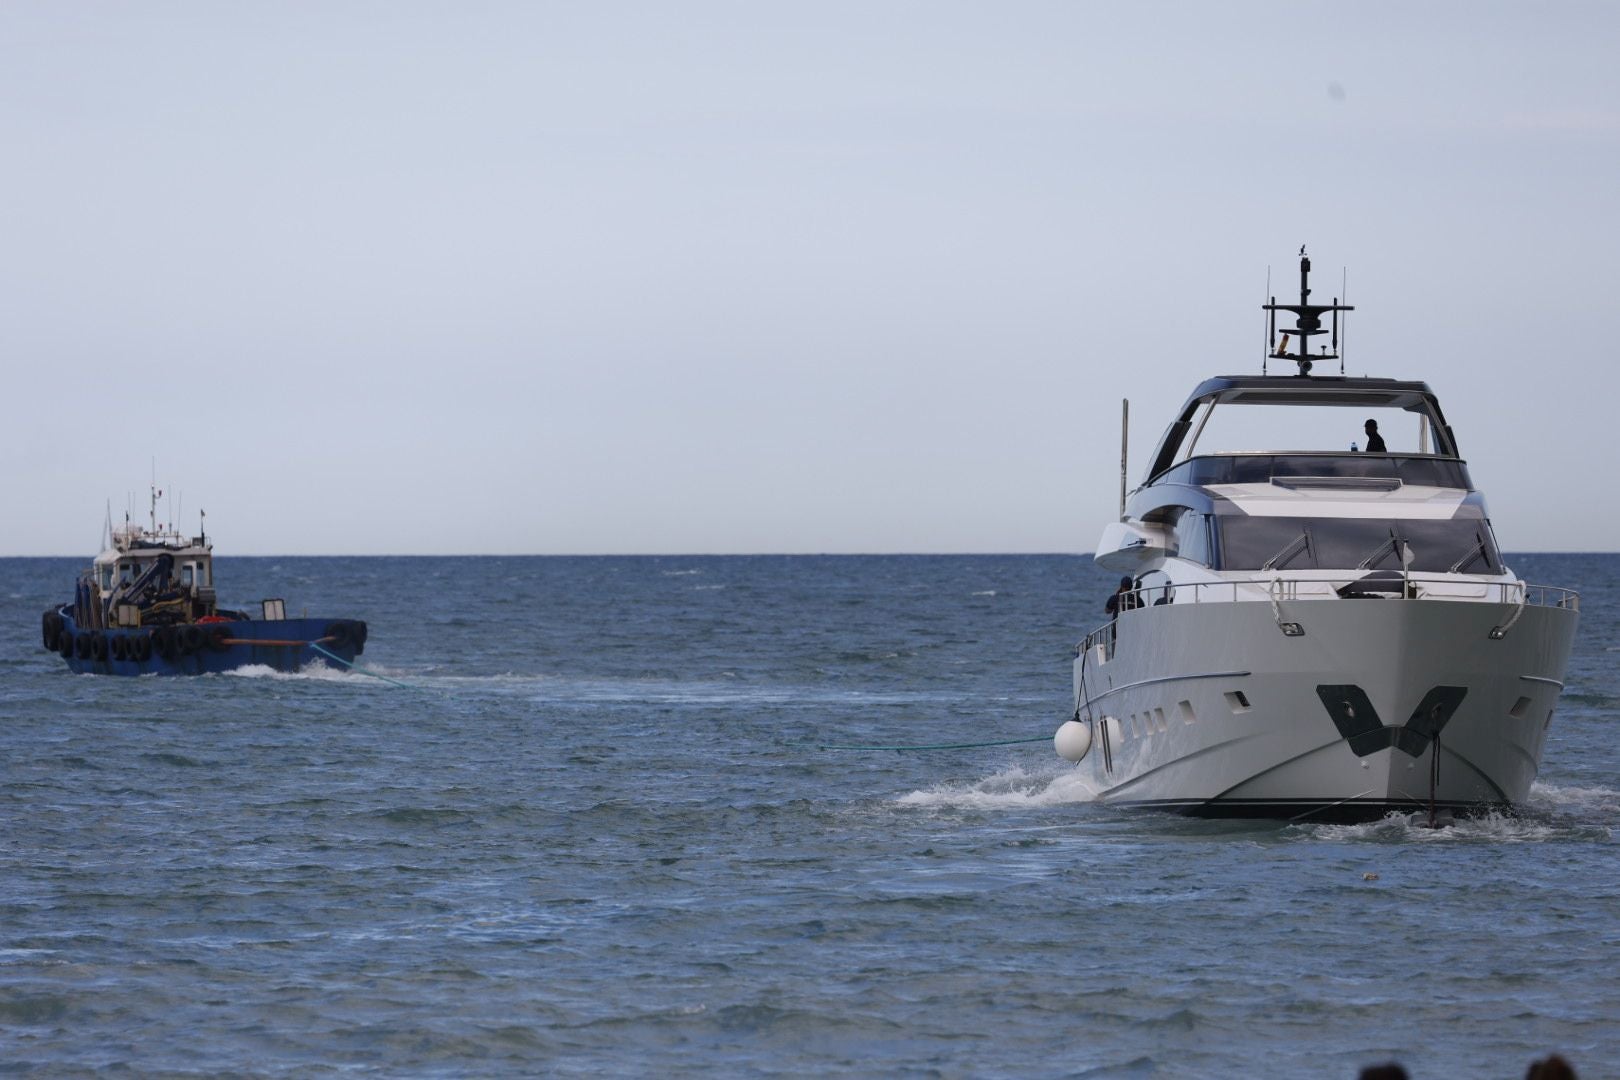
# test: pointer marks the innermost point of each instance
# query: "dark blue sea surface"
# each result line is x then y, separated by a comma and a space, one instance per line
596, 834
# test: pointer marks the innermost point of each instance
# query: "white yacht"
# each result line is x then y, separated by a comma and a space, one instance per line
1323, 630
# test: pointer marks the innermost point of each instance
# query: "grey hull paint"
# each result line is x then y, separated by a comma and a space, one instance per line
1179, 737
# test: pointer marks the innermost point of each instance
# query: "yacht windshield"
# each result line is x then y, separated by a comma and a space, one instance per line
1232, 427
1455, 546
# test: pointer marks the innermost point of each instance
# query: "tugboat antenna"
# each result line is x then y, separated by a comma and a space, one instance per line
1308, 323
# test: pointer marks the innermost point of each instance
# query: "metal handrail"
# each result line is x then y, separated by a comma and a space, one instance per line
1414, 586
1272, 589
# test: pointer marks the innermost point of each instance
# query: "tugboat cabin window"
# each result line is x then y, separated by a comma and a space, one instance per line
106, 578
1455, 546
185, 575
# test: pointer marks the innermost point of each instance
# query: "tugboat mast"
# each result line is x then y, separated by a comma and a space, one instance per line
1308, 323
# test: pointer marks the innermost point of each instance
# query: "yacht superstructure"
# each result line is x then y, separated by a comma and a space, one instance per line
1310, 632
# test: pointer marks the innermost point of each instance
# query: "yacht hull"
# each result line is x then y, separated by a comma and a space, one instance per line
1377, 705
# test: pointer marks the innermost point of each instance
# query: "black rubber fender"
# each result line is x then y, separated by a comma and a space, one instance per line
340, 631
140, 648
98, 644
191, 639
50, 625
81, 645
217, 637
163, 642
64, 643
118, 646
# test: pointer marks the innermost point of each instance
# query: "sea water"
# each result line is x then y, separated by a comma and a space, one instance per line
595, 832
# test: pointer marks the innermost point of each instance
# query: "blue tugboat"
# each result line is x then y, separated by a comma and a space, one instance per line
146, 607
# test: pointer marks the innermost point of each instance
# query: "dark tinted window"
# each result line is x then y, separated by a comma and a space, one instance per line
1461, 545
1192, 537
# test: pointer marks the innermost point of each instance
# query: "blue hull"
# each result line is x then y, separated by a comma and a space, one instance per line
208, 648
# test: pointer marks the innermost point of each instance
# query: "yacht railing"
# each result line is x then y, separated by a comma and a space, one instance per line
1414, 587
1279, 589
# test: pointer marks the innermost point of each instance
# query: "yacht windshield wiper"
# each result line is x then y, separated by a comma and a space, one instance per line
1475, 552
1300, 543
1392, 546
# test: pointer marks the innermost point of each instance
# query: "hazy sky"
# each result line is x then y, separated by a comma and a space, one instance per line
771, 277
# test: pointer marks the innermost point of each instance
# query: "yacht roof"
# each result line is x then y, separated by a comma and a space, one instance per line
1315, 390
1308, 390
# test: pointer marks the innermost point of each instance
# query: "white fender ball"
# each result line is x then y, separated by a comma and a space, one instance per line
1072, 740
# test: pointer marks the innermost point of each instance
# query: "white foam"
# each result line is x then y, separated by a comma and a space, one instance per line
1014, 788
1581, 800
986, 592
316, 671
1550, 813
8, 956
1495, 828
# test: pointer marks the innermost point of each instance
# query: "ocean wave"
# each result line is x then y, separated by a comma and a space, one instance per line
1553, 798
1013, 788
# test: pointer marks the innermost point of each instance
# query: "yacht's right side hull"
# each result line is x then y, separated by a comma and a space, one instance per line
1212, 710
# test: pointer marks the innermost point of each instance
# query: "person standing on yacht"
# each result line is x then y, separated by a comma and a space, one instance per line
1375, 441
1122, 600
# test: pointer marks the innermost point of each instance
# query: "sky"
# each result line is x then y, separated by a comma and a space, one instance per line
603, 278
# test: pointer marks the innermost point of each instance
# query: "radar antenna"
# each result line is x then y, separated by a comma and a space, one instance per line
1308, 322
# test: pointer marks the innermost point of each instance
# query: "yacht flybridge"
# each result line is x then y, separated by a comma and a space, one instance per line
1320, 629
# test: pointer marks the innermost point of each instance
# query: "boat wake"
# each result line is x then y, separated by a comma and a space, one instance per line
1010, 789
316, 672
1551, 813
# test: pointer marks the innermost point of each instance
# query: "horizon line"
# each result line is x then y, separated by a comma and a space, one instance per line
692, 554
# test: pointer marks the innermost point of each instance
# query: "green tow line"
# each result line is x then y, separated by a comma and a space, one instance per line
944, 746
357, 667
930, 746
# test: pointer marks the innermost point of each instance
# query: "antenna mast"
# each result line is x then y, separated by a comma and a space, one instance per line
1308, 322
1271, 334
1124, 450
